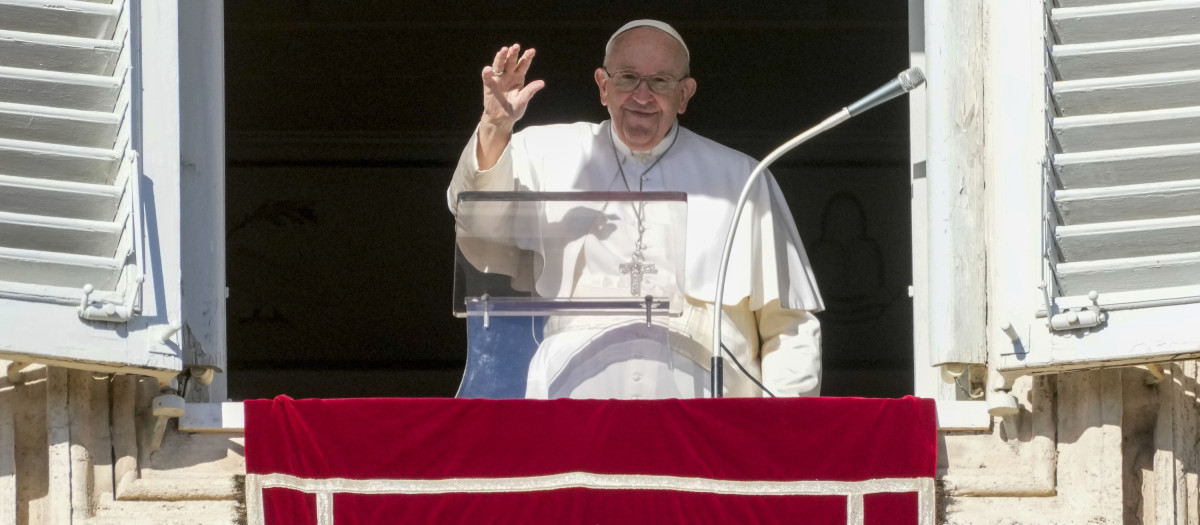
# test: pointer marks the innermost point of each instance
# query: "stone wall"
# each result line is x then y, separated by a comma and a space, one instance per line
76, 446
1100, 446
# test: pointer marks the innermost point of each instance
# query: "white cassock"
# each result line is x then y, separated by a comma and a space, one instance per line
770, 292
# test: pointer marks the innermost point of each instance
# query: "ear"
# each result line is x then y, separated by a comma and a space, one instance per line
689, 89
601, 81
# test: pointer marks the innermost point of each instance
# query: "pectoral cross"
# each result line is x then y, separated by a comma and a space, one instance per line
636, 268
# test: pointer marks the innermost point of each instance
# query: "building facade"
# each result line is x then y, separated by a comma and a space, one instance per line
1056, 167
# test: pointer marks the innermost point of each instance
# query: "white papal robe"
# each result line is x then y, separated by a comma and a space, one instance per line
770, 293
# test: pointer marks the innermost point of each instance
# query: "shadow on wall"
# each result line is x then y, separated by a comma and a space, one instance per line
860, 305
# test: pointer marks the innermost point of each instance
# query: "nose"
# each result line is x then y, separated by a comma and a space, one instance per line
642, 93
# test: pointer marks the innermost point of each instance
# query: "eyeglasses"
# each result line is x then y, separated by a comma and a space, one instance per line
627, 81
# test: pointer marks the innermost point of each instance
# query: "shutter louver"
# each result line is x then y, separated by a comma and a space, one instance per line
1125, 184
67, 169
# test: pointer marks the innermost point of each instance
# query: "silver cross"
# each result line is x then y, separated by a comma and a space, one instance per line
636, 268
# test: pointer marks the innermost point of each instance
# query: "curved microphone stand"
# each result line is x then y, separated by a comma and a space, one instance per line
908, 80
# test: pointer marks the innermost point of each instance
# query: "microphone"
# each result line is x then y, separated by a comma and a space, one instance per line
908, 80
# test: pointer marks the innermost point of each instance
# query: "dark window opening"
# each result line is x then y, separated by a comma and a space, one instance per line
345, 121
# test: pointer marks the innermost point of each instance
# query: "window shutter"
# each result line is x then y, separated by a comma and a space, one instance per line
1121, 192
1125, 183
88, 235
64, 156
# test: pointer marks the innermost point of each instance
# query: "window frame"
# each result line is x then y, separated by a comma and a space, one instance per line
180, 322
1144, 326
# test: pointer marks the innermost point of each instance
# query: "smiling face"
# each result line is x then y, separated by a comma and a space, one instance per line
642, 117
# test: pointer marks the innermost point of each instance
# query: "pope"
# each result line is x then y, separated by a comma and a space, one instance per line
771, 296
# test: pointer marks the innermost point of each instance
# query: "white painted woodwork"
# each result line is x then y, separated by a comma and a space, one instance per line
1127, 166
1086, 463
159, 141
1126, 21
1127, 57
12, 292
1129, 274
93, 129
1126, 155
962, 415
58, 162
1121, 192
1084, 3
60, 17
81, 246
59, 269
103, 347
1128, 130
202, 181
90, 168
64, 162
227, 417
1132, 202
64, 54
1015, 139
71, 200
1108, 240
1176, 89
56, 234
954, 32
1016, 136
1145, 298
927, 381
59, 90
1131, 336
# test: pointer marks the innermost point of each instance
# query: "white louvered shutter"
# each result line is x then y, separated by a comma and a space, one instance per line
89, 225
65, 157
1123, 189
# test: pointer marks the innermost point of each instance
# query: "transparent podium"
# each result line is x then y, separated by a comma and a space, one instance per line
556, 287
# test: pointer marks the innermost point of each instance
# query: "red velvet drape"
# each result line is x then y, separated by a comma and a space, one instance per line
831, 439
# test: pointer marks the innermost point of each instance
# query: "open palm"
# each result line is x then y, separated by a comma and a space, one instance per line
505, 93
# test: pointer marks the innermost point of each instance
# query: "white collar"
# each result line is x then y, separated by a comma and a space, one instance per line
644, 156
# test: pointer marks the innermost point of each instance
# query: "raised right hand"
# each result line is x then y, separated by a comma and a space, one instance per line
505, 93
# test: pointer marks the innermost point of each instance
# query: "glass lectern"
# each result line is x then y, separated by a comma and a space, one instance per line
569, 273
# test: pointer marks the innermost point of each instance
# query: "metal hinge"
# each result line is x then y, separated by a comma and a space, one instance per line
110, 311
1074, 318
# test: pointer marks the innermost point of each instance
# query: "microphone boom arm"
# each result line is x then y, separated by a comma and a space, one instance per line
905, 82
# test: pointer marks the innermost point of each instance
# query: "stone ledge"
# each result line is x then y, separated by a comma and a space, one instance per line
218, 418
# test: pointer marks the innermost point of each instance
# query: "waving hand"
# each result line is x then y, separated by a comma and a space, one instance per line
505, 93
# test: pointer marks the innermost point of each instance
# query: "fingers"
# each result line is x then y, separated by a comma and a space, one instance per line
490, 82
500, 61
529, 90
505, 92
506, 59
522, 65
509, 59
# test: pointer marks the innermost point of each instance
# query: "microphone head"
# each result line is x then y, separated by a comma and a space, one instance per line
911, 78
